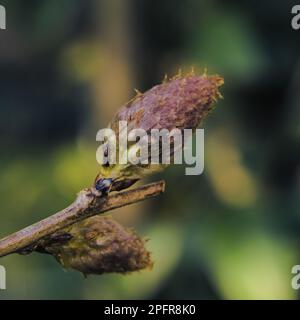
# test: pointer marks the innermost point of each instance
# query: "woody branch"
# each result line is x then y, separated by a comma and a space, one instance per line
87, 204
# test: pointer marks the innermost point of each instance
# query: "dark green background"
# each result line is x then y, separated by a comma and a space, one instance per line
65, 68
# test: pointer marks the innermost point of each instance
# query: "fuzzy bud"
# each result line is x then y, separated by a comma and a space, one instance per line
181, 102
98, 245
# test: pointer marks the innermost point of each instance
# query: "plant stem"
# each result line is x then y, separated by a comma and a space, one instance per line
86, 205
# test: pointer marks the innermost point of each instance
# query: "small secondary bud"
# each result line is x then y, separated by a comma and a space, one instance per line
98, 245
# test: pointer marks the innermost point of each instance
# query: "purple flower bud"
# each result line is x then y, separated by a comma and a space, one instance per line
181, 102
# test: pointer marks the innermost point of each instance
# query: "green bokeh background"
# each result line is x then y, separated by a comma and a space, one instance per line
65, 68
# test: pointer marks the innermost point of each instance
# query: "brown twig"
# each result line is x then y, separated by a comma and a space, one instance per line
86, 205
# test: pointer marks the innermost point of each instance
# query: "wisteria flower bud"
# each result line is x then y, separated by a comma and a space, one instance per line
180, 102
98, 245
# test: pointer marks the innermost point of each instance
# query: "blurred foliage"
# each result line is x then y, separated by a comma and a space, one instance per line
66, 66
